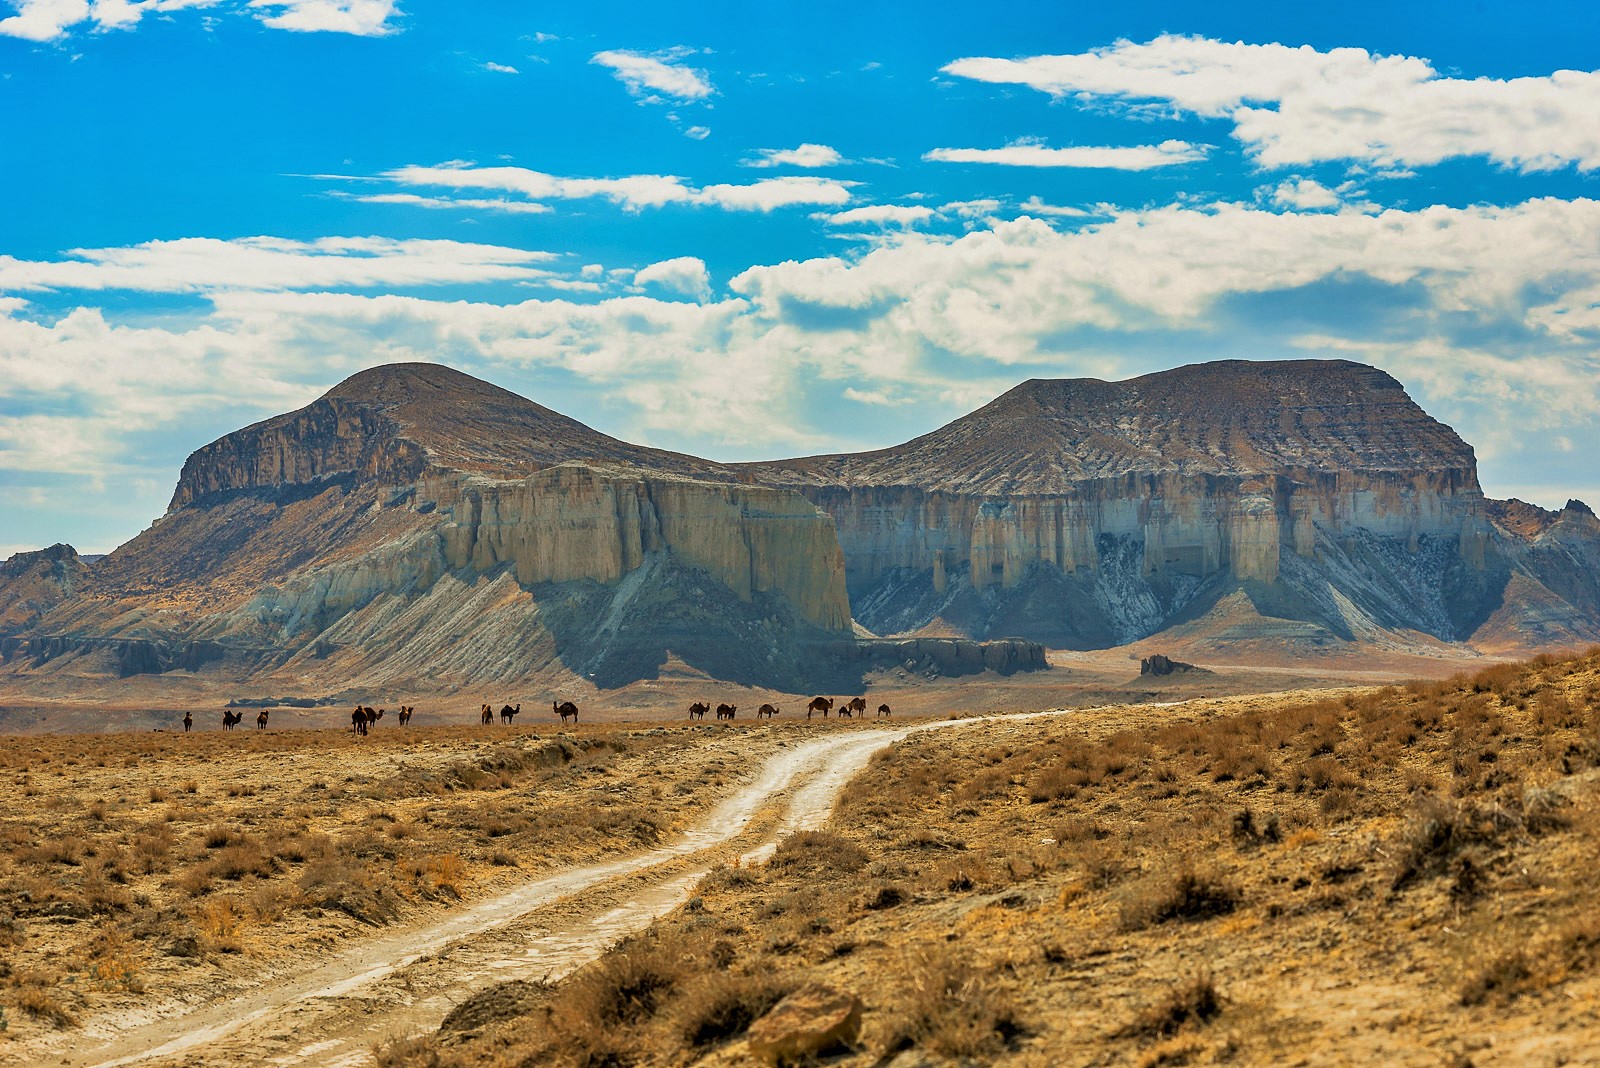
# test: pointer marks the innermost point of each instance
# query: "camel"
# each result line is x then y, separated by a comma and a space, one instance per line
766, 710
819, 704
230, 718
405, 714
507, 713
373, 718
858, 704
261, 720
358, 720
884, 710
698, 710
488, 715
188, 722
726, 711
565, 709
844, 710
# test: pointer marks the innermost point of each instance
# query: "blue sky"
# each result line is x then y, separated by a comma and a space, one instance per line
756, 230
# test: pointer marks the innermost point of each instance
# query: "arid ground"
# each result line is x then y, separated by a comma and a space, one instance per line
1349, 875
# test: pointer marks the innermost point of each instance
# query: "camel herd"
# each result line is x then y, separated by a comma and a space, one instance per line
363, 718
856, 706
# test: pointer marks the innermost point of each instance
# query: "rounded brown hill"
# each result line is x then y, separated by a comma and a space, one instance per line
393, 423
1230, 418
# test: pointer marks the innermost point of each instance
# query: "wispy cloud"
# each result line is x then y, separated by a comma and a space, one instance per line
1031, 154
657, 78
363, 18
50, 20
879, 215
805, 155
633, 192
1295, 106
500, 68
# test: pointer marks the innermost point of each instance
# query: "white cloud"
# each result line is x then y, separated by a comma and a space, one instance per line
363, 18
879, 215
632, 192
698, 133
651, 78
970, 209
1034, 206
1305, 194
203, 265
1028, 154
804, 155
518, 207
49, 20
500, 68
1295, 106
683, 274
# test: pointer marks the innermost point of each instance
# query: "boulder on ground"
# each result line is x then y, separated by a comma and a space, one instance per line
813, 1020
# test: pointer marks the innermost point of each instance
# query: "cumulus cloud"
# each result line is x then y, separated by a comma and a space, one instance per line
1030, 154
682, 274
804, 155
656, 78
1295, 106
879, 215
500, 68
49, 20
198, 265
632, 192
1034, 206
1305, 194
363, 18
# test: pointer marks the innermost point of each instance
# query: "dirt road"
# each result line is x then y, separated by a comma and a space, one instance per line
406, 981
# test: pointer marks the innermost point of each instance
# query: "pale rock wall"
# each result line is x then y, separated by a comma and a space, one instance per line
1190, 525
574, 522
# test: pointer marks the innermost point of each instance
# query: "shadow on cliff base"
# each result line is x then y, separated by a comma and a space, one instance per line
665, 610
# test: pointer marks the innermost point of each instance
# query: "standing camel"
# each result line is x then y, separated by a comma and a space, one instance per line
487, 714
358, 720
858, 704
698, 710
727, 711
188, 722
405, 714
261, 720
565, 709
507, 713
230, 718
884, 710
766, 710
819, 704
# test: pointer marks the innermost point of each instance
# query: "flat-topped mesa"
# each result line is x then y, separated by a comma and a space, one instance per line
390, 425
1218, 467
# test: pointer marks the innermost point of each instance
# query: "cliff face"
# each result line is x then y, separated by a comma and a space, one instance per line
32, 584
1086, 513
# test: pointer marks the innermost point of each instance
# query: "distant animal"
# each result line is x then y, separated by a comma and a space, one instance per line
229, 719
858, 704
766, 710
405, 714
261, 720
358, 720
726, 711
565, 709
698, 710
188, 722
844, 710
820, 704
373, 718
507, 713
488, 715
884, 710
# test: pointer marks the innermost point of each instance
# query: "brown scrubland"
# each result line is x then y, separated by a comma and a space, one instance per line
1400, 875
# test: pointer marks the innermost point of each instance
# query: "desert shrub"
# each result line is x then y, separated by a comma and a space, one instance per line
420, 1052
1504, 971
718, 1006
817, 852
36, 995
952, 1008
1183, 892
337, 883
1195, 999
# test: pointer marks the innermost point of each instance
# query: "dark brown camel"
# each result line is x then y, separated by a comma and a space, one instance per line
884, 710
373, 718
565, 709
727, 711
488, 715
261, 720
507, 713
844, 711
358, 720
405, 714
229, 719
819, 704
698, 710
766, 710
858, 704
188, 722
